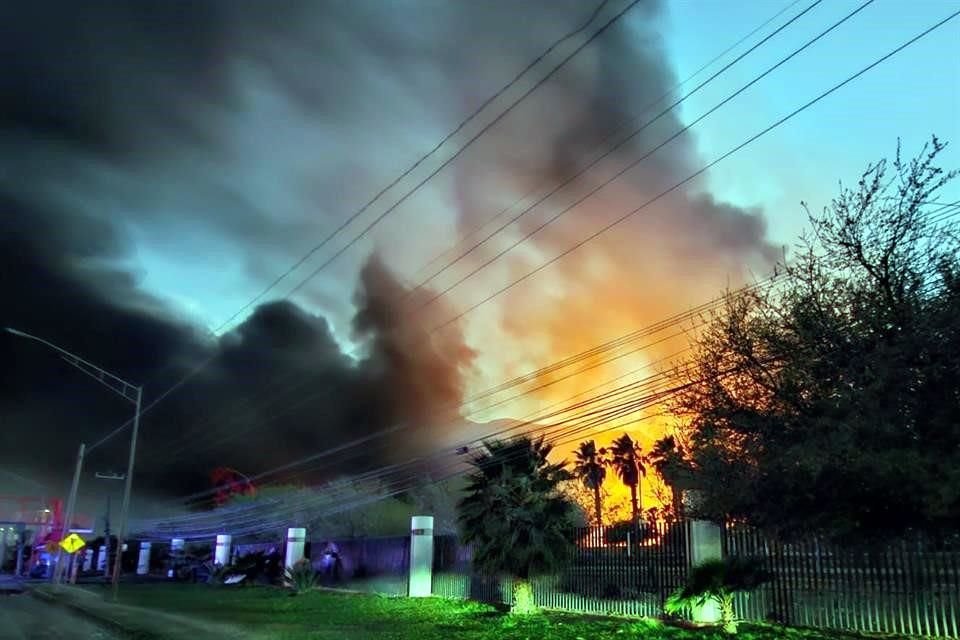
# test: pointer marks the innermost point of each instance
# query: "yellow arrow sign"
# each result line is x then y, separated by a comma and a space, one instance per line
72, 543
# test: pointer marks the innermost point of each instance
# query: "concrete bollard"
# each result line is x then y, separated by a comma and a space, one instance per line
705, 544
296, 540
421, 556
143, 561
222, 554
176, 548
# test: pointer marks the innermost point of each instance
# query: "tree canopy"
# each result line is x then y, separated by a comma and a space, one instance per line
830, 399
627, 459
590, 467
514, 513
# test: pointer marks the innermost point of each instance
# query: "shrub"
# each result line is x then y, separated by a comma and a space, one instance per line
718, 581
301, 576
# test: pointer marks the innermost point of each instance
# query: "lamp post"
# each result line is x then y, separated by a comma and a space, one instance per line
131, 393
106, 523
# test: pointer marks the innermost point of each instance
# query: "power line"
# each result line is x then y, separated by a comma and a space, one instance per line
533, 376
701, 85
609, 346
632, 134
579, 424
195, 371
807, 105
453, 407
759, 134
373, 475
735, 149
571, 429
603, 142
565, 429
621, 341
473, 115
645, 382
547, 412
694, 175
596, 34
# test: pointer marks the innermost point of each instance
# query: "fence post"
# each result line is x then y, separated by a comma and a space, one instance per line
705, 543
421, 556
143, 561
222, 554
296, 540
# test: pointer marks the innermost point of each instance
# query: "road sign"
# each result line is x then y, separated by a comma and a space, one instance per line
72, 543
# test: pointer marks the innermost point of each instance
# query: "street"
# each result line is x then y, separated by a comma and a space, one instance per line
23, 617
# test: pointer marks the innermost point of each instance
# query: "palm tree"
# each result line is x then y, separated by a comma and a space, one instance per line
718, 581
515, 515
589, 468
668, 458
627, 460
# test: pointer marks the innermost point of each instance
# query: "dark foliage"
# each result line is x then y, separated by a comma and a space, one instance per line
718, 581
831, 402
514, 513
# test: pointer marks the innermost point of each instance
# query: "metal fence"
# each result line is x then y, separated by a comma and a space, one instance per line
614, 571
910, 588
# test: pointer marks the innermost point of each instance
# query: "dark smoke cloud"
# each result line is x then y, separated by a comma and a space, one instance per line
280, 387
674, 254
229, 137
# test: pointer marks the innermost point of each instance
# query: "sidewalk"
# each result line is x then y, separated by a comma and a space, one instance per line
9, 584
135, 622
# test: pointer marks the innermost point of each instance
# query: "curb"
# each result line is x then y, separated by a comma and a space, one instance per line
104, 621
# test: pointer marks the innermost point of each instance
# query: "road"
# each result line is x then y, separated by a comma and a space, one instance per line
23, 617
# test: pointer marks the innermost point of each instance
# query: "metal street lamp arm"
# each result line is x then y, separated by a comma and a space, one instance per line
126, 389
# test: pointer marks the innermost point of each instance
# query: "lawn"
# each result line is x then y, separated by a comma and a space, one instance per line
269, 613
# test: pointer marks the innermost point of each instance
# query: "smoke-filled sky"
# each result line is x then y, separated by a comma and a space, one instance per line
162, 163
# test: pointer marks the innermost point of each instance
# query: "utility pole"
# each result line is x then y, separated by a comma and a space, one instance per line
106, 542
68, 516
21, 543
120, 387
106, 523
125, 505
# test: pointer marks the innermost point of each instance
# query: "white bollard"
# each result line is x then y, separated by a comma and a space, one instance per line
176, 548
705, 544
222, 554
87, 559
296, 540
102, 558
421, 556
143, 562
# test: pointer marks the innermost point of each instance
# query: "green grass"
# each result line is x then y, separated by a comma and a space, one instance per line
272, 613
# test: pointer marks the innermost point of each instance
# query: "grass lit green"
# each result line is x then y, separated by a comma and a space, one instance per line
274, 613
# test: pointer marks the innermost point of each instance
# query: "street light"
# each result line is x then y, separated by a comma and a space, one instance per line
131, 393
106, 524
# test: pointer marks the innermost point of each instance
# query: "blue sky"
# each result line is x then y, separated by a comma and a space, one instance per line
913, 95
